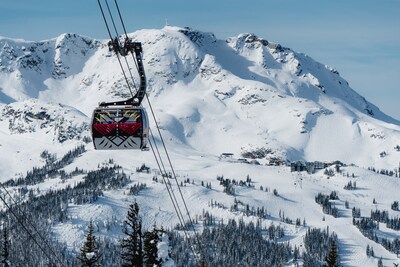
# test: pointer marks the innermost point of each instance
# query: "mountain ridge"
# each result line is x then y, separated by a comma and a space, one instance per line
201, 84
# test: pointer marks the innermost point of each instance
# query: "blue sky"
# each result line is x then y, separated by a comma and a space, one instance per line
360, 38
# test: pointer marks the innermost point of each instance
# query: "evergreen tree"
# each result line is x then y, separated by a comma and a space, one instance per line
150, 242
5, 249
332, 258
202, 262
132, 254
90, 256
380, 263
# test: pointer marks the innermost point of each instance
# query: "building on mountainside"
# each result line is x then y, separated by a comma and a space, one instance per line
298, 166
311, 167
242, 160
277, 161
226, 156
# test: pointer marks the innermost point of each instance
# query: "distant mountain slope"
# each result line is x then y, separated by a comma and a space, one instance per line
245, 95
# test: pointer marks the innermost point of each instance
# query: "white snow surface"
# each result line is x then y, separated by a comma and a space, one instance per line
241, 95
163, 251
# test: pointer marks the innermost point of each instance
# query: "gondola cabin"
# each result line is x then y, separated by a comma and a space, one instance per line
120, 127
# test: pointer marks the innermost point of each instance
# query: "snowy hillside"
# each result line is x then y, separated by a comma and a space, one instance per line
248, 96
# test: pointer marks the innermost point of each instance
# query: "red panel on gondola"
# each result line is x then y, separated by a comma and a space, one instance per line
130, 128
104, 129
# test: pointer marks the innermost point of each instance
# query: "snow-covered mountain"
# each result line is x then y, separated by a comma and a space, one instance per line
245, 95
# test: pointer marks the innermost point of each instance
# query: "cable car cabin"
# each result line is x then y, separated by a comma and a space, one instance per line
120, 127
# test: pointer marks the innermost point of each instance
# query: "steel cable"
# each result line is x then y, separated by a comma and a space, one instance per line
26, 228
155, 148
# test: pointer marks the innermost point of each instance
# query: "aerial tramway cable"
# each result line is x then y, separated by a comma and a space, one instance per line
111, 38
116, 32
173, 196
174, 176
20, 221
153, 143
163, 143
174, 203
120, 17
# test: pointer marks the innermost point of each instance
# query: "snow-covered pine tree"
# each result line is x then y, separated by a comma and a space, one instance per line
202, 262
164, 250
150, 241
380, 263
132, 254
90, 255
332, 258
4, 261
